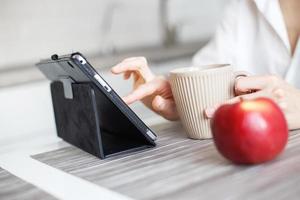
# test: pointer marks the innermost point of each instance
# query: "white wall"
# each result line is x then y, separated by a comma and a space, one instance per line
34, 29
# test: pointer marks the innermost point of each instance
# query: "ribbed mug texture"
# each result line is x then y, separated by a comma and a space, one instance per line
196, 90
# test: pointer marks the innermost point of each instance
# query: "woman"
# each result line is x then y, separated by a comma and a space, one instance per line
258, 36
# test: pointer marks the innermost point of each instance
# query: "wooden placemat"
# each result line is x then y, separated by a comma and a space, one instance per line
181, 168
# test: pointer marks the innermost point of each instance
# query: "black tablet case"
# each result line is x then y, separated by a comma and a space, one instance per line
94, 124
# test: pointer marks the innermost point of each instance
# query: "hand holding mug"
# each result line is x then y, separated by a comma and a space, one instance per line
270, 86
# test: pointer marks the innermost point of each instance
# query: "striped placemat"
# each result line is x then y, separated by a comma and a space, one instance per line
181, 168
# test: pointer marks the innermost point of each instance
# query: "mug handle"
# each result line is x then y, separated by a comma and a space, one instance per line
237, 75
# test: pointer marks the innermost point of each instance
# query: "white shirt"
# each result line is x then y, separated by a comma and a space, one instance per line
253, 37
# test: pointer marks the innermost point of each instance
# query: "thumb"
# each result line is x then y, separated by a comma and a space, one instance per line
165, 107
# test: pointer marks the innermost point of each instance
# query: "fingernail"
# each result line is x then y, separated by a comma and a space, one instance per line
112, 69
160, 103
209, 112
126, 100
279, 93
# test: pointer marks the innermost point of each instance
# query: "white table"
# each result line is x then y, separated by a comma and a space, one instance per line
27, 128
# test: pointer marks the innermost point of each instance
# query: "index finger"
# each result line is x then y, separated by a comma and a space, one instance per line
141, 92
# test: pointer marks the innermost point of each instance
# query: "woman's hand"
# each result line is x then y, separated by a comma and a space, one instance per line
285, 95
154, 91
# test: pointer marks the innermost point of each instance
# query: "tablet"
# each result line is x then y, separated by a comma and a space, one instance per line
77, 69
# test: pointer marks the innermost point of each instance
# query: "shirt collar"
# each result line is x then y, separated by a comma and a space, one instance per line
271, 10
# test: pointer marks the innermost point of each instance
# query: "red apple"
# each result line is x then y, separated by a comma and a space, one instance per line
250, 132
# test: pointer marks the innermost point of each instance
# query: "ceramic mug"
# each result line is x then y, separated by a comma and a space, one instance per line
197, 88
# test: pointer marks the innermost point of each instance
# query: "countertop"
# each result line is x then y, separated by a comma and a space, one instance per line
157, 56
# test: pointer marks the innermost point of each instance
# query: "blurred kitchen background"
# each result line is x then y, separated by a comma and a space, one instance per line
106, 31
167, 32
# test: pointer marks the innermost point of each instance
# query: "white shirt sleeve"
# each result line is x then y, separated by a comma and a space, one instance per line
220, 49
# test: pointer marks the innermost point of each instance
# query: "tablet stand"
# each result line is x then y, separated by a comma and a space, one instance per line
78, 121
